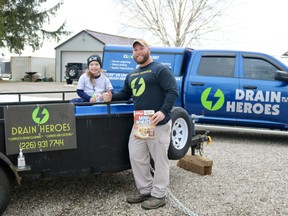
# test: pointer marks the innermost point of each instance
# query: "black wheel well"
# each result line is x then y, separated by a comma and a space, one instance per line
8, 171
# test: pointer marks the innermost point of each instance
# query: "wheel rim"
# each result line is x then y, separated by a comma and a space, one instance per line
72, 72
179, 133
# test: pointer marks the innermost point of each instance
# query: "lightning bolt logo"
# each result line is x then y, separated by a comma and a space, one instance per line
40, 115
212, 102
138, 86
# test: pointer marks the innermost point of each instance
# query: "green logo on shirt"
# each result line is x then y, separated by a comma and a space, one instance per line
138, 86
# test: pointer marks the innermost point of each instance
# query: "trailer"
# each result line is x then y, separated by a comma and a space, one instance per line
58, 138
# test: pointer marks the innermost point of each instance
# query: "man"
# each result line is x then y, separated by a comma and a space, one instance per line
152, 87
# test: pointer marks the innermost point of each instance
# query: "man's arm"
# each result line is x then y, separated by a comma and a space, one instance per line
124, 94
169, 85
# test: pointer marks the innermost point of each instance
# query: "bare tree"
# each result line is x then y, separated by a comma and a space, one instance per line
175, 22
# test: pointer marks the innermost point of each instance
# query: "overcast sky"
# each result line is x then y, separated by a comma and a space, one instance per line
256, 25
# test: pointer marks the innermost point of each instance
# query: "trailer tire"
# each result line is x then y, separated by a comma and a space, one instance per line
180, 134
5, 190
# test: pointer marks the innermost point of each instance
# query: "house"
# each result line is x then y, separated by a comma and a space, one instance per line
285, 57
79, 47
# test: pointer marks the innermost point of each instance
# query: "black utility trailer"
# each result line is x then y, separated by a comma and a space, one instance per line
59, 138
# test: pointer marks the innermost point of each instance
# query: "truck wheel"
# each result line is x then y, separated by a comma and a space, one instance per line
69, 81
180, 134
5, 191
73, 72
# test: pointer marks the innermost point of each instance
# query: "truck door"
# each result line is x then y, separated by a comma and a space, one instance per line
210, 86
262, 99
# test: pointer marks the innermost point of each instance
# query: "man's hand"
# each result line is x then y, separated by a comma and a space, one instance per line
157, 117
107, 96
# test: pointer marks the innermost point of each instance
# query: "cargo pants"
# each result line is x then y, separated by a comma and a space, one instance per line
140, 151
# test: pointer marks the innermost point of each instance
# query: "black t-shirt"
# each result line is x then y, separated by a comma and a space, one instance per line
152, 87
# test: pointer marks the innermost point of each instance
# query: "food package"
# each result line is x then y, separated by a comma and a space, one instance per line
143, 127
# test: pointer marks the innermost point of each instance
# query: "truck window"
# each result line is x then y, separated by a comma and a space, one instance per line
217, 66
255, 68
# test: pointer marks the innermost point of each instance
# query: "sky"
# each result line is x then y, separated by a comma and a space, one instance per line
252, 25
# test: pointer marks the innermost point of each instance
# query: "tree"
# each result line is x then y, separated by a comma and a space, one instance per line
21, 24
175, 22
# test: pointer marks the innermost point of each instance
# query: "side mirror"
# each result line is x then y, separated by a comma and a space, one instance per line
281, 75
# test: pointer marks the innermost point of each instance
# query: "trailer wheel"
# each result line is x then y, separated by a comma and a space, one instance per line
180, 134
5, 191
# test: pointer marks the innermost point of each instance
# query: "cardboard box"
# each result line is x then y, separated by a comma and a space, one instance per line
143, 127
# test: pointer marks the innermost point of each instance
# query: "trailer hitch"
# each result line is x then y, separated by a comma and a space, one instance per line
198, 140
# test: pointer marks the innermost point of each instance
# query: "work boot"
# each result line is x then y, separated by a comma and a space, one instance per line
137, 198
153, 203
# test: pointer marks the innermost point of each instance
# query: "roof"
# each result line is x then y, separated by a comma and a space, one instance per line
111, 39
104, 38
285, 54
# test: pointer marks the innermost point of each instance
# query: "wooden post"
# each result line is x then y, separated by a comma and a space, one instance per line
196, 163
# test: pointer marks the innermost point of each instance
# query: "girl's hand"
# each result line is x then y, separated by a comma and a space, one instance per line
92, 100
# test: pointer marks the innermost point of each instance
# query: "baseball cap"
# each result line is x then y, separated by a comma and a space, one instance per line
141, 41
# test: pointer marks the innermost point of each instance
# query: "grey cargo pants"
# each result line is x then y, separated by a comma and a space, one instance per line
139, 150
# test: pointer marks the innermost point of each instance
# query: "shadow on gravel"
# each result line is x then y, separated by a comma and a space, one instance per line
93, 184
70, 192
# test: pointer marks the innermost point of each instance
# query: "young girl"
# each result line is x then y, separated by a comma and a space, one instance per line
93, 83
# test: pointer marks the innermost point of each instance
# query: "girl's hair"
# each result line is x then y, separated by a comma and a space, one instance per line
91, 76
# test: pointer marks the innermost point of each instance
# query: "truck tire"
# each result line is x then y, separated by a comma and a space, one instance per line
180, 134
69, 81
5, 190
73, 72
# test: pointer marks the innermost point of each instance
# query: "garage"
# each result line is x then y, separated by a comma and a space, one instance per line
80, 46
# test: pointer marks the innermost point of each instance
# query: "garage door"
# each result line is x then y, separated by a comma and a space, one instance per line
74, 57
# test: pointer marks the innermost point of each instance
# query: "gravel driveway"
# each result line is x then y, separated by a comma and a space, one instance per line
249, 177
9, 86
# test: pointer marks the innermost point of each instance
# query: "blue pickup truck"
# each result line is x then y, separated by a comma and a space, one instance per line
225, 87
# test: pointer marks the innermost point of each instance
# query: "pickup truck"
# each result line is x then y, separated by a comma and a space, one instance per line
223, 87
59, 138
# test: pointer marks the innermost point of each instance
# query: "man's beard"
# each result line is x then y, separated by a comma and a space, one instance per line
145, 58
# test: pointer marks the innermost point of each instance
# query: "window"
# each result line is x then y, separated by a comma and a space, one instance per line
255, 68
217, 66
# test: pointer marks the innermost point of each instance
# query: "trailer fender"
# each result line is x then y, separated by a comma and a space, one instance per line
9, 167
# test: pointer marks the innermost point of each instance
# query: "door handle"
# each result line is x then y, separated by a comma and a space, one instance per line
249, 87
197, 84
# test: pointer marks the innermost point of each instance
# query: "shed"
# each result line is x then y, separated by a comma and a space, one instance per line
79, 47
20, 65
